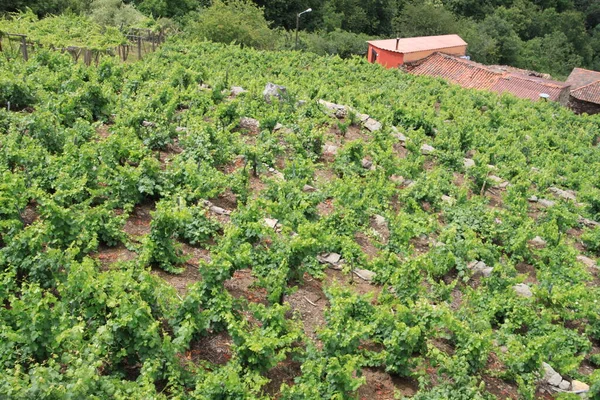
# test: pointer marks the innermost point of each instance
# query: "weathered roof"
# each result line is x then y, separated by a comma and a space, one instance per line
471, 74
464, 72
580, 77
589, 92
421, 43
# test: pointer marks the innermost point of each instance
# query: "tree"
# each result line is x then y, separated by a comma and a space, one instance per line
238, 21
115, 13
424, 19
552, 53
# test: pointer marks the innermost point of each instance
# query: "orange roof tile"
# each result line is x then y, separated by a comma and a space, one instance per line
589, 92
470, 74
422, 43
580, 77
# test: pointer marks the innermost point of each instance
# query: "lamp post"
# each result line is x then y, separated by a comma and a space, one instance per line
298, 23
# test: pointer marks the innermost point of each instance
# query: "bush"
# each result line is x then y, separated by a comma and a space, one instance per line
238, 21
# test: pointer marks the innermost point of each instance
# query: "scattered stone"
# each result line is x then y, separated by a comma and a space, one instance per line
504, 349
380, 221
148, 124
564, 385
578, 387
397, 179
181, 129
563, 194
588, 262
338, 110
333, 259
545, 203
277, 127
364, 274
362, 117
468, 162
372, 125
490, 166
300, 103
533, 199
504, 184
271, 222
398, 135
448, 199
366, 163
534, 169
237, 90
523, 290
250, 124
587, 222
427, 149
555, 379
409, 183
548, 371
309, 189
496, 179
537, 242
277, 174
204, 86
330, 149
219, 210
273, 90
480, 269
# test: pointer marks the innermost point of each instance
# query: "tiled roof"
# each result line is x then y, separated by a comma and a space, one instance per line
580, 77
422, 43
470, 74
589, 92
466, 73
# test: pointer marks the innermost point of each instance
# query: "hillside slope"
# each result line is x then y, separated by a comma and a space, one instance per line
163, 235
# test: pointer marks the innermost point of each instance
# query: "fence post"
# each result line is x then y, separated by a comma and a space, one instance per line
139, 44
24, 47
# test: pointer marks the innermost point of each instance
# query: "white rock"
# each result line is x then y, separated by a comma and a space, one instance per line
588, 262
397, 179
271, 222
237, 90
398, 135
372, 125
364, 274
533, 199
181, 129
204, 86
496, 179
564, 385
337, 109
330, 149
362, 117
148, 124
523, 290
250, 124
537, 242
555, 379
562, 193
273, 90
427, 149
380, 220
366, 163
587, 222
448, 199
333, 259
218, 210
479, 268
548, 371
468, 162
578, 387
308, 189
546, 203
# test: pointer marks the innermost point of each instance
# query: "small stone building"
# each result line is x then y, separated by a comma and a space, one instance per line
585, 91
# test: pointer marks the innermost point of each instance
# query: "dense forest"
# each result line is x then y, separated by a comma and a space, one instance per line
551, 36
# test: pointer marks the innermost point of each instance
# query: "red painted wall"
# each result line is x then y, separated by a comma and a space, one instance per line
388, 59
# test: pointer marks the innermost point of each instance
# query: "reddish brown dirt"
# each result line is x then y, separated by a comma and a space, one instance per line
495, 196
215, 348
421, 244
110, 255
400, 150
102, 131
325, 208
138, 223
284, 372
309, 302
29, 214
352, 282
366, 245
527, 270
180, 282
381, 386
241, 285
324, 176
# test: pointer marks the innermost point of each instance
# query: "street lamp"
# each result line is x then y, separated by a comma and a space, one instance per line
298, 23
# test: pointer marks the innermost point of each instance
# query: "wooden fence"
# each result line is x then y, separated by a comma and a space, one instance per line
139, 42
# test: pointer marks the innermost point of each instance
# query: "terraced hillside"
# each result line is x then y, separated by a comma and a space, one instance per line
169, 231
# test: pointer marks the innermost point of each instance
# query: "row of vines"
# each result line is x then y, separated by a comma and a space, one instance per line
82, 148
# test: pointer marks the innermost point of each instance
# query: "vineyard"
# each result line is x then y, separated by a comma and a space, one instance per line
171, 229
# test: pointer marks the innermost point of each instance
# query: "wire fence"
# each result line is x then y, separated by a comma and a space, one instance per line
138, 43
